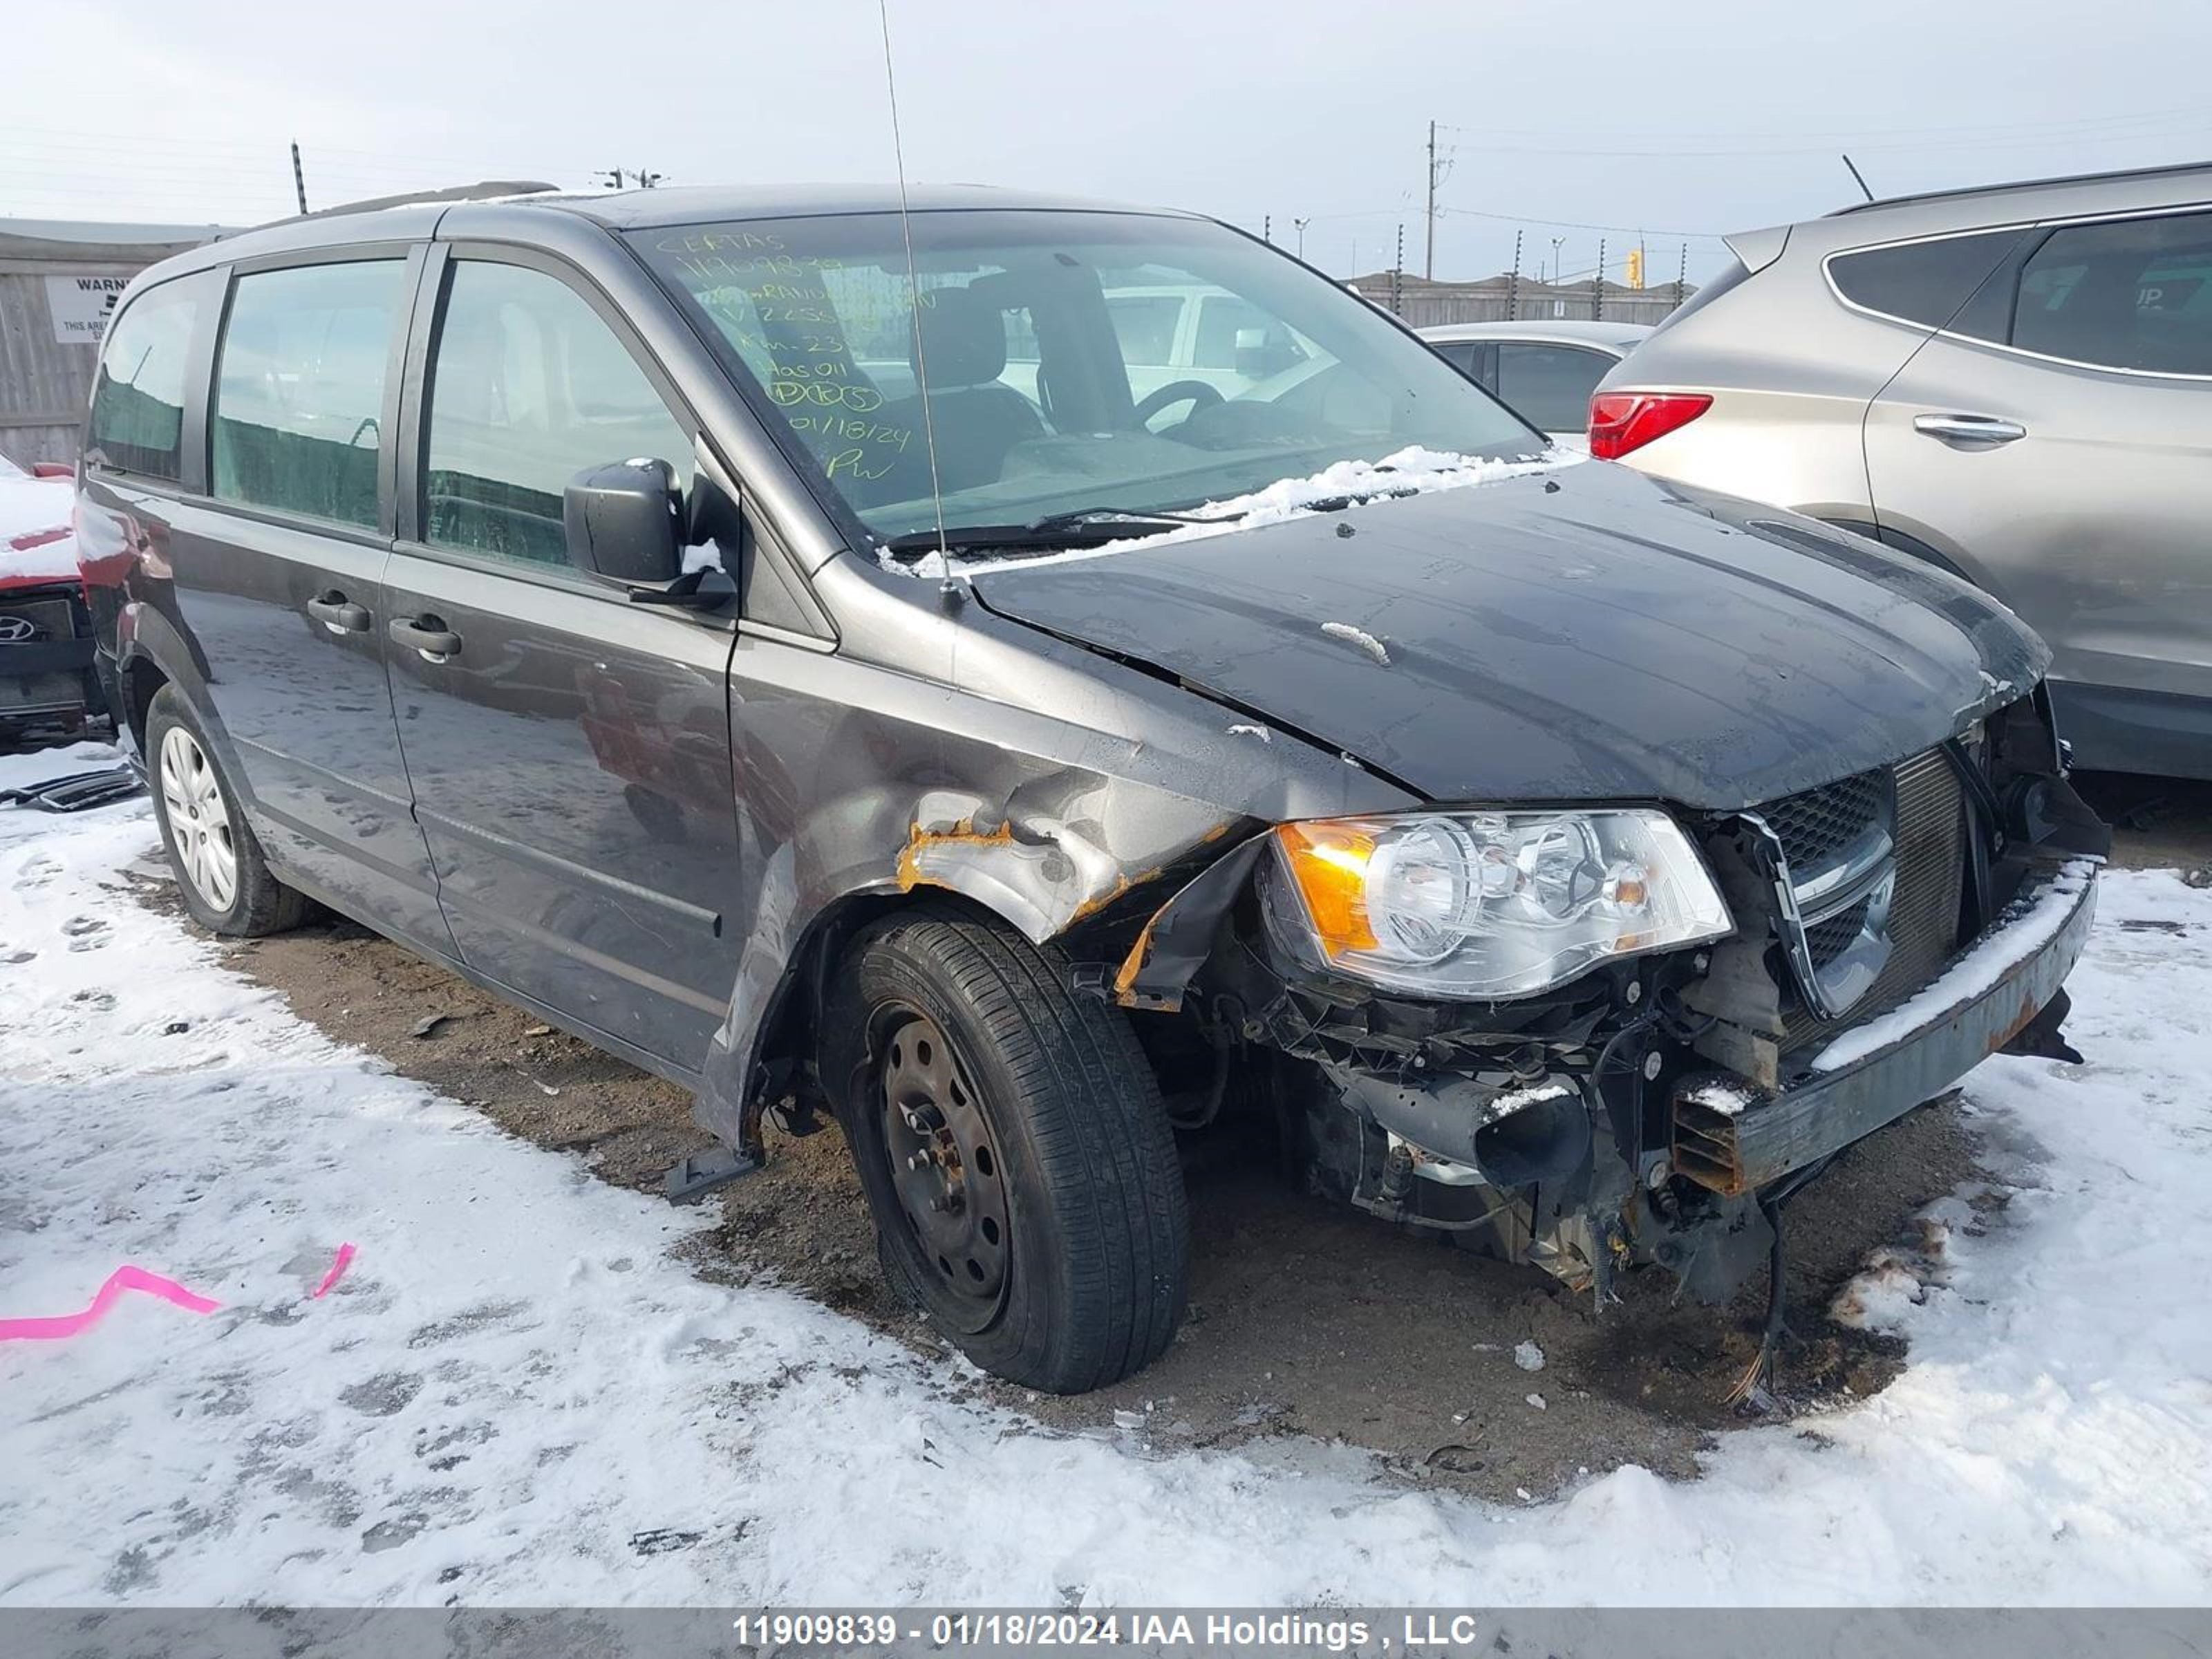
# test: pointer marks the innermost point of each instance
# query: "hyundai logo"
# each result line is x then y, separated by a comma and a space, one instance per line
14, 631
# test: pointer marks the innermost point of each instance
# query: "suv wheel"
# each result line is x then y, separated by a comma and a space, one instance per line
226, 882
1010, 1138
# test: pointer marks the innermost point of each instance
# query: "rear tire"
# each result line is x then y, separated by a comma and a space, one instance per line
1011, 1139
226, 882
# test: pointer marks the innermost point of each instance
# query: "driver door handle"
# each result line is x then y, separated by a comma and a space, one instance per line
430, 637
338, 613
1975, 431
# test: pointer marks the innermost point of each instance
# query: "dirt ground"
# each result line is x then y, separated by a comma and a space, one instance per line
1305, 1319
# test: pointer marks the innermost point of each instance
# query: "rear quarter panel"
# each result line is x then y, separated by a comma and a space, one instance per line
1791, 372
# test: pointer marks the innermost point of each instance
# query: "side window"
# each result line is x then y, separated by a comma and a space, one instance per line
299, 401
2130, 294
138, 401
1923, 282
528, 387
1550, 385
1460, 354
1144, 325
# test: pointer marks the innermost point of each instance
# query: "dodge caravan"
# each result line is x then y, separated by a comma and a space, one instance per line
1016, 769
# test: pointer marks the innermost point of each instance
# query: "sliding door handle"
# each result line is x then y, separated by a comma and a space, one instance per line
338, 613
429, 637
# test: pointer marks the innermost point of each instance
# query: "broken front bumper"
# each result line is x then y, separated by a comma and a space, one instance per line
1735, 1138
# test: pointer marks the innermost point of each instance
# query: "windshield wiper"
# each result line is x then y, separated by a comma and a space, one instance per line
1091, 527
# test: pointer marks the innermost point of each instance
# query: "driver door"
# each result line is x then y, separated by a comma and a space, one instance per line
569, 752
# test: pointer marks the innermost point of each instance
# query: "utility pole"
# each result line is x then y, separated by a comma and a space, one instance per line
1558, 270
1299, 226
299, 179
1429, 260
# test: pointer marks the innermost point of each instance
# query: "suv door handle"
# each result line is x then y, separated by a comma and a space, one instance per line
337, 613
1969, 429
428, 635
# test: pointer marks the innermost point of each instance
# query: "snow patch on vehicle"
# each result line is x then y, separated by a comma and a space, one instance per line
37, 542
520, 1393
1413, 471
2018, 935
1360, 637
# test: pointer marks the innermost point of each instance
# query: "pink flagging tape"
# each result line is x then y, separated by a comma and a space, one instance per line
125, 1278
336, 1271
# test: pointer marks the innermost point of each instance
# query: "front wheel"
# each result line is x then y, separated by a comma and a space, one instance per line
227, 883
1010, 1137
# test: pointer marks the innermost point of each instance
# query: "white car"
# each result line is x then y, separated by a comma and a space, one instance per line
1544, 371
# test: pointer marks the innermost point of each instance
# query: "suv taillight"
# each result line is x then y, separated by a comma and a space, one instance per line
1623, 420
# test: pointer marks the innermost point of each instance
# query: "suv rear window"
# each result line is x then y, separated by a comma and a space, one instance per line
1922, 282
138, 401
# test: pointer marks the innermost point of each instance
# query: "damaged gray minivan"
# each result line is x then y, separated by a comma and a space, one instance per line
1022, 678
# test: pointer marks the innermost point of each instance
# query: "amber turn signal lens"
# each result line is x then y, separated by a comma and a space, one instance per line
1328, 861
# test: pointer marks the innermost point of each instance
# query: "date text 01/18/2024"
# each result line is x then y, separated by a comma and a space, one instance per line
1166, 1632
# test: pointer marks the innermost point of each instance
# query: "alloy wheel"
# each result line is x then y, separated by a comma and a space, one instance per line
199, 823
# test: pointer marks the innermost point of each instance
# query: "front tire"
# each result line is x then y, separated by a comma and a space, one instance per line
226, 882
1011, 1139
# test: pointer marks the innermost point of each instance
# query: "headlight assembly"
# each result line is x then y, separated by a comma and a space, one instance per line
1488, 904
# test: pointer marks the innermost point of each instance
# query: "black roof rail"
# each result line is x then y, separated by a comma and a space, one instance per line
2159, 172
482, 191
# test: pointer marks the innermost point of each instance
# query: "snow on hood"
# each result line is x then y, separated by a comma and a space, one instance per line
1409, 472
37, 542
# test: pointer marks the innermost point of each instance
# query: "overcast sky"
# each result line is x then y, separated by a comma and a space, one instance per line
1670, 119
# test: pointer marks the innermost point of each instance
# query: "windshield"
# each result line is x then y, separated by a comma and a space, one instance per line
1076, 362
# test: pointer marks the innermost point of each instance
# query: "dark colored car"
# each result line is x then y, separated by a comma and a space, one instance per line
586, 593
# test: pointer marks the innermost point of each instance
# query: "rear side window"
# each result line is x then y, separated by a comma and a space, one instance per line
1922, 282
528, 387
1550, 385
299, 401
2136, 294
138, 401
1144, 325
1460, 354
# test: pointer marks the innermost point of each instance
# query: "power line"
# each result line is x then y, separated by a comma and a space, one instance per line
2193, 112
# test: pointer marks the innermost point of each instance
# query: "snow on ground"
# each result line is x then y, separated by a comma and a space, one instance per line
515, 1395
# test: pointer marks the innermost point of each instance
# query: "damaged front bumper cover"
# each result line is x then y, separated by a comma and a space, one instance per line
1734, 1138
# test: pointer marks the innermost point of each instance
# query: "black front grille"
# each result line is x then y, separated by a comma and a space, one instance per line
1924, 911
37, 695
1818, 823
1826, 940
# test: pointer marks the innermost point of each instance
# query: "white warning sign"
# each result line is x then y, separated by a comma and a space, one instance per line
82, 305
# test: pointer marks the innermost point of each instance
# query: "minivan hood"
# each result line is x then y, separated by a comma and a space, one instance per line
1589, 635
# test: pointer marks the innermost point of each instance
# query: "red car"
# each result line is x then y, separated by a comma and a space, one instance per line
46, 681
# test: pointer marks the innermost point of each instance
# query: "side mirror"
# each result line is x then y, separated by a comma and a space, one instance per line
625, 523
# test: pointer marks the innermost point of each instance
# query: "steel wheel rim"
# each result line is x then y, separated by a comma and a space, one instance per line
945, 1165
200, 822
